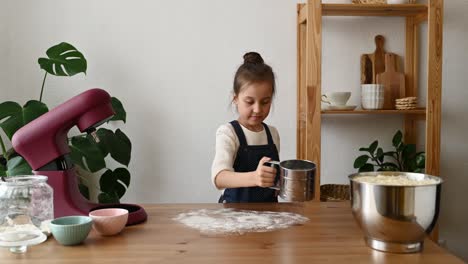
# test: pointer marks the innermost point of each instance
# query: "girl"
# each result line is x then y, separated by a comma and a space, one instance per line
245, 144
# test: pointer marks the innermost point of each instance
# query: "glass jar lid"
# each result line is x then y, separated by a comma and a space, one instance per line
22, 180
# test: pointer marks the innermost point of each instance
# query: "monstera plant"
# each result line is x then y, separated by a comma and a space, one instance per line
88, 156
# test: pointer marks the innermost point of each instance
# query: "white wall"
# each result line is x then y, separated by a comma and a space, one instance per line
4, 43
454, 162
172, 64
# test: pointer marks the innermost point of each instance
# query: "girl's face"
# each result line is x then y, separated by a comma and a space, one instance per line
253, 104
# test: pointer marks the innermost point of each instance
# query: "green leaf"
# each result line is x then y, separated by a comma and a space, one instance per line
363, 149
366, 167
13, 116
84, 190
380, 154
10, 153
89, 151
421, 160
409, 151
18, 166
373, 146
116, 181
121, 149
120, 113
2, 170
77, 157
107, 181
401, 147
361, 161
113, 185
397, 139
106, 140
409, 165
63, 60
3, 160
116, 144
8, 108
120, 190
33, 109
108, 198
123, 175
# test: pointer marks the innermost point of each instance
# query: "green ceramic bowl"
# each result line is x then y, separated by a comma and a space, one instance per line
71, 230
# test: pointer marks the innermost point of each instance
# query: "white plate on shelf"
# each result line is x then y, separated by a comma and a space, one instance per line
341, 108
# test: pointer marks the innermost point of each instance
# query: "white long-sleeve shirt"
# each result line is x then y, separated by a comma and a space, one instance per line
227, 145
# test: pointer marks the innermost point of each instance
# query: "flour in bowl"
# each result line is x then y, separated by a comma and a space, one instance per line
231, 221
402, 180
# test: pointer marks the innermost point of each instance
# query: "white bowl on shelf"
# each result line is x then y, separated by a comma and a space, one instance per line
372, 96
372, 103
398, 2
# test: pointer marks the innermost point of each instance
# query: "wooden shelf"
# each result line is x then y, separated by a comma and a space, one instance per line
404, 10
373, 10
419, 111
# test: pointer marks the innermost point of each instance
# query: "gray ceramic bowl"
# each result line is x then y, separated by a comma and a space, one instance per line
71, 230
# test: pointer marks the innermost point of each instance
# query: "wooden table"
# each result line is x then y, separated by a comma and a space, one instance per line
330, 236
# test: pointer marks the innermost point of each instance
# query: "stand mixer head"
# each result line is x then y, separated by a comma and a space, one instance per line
43, 143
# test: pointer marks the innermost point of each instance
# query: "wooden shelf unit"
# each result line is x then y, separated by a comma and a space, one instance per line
421, 111
367, 10
309, 75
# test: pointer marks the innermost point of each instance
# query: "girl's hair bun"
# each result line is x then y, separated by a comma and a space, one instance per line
253, 57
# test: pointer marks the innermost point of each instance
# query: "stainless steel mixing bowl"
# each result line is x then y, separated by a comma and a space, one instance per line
395, 218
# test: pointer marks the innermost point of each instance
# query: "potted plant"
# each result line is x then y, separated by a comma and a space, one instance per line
88, 156
403, 158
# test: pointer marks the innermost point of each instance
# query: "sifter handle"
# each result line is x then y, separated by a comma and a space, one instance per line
272, 164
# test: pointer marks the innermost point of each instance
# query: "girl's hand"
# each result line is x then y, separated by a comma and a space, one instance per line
264, 176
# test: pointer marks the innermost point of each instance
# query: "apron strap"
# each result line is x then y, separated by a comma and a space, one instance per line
239, 133
221, 199
267, 130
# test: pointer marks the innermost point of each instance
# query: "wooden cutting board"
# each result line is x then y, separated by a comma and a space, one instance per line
374, 63
393, 81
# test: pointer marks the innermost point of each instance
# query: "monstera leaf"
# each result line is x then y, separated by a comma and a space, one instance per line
87, 154
63, 60
120, 113
15, 166
113, 185
116, 144
13, 116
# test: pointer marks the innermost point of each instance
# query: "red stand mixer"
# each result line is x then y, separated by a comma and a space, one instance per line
43, 143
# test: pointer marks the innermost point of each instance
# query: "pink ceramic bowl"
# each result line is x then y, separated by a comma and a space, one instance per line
109, 221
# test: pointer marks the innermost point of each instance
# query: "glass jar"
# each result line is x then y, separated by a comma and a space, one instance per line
26, 207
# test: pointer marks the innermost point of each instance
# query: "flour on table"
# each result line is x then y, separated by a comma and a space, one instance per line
232, 221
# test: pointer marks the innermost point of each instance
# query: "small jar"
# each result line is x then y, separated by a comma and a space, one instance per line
26, 207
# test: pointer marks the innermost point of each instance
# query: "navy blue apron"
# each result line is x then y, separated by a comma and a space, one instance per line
247, 160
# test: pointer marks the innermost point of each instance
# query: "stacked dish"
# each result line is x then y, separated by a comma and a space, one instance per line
372, 96
406, 103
